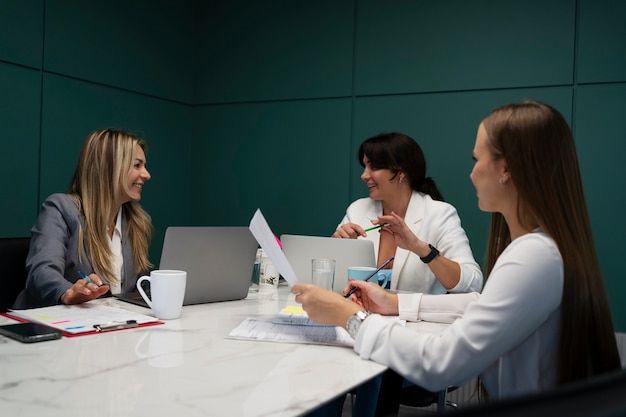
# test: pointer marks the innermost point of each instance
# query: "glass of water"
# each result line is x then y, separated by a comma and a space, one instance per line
323, 272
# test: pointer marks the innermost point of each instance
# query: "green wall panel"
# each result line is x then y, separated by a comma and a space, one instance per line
276, 49
142, 45
289, 159
73, 109
442, 45
286, 91
19, 158
21, 32
445, 126
602, 41
600, 125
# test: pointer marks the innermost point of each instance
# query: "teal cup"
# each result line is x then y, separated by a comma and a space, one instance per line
383, 277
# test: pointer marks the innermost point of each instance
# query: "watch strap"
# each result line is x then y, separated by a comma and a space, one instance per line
432, 255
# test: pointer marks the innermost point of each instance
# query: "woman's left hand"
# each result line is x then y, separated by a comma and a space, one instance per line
396, 227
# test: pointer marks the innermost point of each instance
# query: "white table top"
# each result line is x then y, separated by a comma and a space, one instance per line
185, 367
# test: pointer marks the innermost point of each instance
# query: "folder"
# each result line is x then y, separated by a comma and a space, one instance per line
83, 319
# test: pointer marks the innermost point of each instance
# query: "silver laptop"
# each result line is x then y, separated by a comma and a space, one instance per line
299, 250
218, 261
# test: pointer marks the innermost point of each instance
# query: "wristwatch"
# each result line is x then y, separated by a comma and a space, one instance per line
432, 255
355, 320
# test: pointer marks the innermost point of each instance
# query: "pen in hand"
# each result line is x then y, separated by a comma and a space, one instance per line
86, 278
373, 228
353, 290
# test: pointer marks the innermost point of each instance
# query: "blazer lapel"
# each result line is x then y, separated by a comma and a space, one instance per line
413, 219
129, 266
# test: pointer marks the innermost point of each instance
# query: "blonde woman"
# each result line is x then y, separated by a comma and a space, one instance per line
94, 238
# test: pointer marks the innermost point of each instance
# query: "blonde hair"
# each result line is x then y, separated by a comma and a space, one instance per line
105, 159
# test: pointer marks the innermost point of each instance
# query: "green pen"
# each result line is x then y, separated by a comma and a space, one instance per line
376, 227
373, 228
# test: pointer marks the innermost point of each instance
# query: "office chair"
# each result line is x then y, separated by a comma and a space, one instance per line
13, 253
599, 396
416, 396
393, 393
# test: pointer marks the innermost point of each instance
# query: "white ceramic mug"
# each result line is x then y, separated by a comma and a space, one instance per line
167, 289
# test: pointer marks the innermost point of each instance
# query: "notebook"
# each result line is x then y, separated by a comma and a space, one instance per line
218, 261
300, 249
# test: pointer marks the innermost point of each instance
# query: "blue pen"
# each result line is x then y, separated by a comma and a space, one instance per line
352, 291
86, 278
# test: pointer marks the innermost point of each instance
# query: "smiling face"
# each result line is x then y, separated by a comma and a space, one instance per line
486, 175
381, 183
136, 177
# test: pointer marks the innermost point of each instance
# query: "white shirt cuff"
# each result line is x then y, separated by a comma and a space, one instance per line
408, 306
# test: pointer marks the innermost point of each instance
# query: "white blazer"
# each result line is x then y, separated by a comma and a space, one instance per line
434, 222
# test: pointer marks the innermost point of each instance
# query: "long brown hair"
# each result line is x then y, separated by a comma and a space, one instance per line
104, 162
537, 145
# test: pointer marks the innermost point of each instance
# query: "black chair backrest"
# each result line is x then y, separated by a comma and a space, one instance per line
600, 396
13, 253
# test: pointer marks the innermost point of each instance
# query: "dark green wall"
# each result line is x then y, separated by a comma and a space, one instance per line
69, 67
250, 104
288, 90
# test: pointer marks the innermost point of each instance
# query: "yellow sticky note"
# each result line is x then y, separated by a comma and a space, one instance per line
293, 310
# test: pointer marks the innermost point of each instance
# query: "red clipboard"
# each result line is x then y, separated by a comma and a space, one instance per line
85, 333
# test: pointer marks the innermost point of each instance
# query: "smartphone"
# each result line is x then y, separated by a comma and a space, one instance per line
30, 332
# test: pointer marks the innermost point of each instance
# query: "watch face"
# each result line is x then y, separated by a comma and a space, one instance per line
354, 322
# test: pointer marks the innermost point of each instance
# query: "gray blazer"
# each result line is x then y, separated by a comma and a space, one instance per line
52, 262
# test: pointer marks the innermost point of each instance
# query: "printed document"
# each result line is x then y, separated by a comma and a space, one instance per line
265, 330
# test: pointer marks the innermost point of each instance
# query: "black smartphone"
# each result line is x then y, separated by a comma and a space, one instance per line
30, 332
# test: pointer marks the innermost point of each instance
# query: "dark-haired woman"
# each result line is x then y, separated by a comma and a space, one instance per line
436, 257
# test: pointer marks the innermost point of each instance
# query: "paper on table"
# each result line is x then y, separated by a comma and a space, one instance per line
263, 330
263, 234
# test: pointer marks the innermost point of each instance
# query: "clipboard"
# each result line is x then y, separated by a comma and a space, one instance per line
83, 319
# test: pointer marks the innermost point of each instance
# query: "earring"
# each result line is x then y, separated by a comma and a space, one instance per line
501, 181
401, 180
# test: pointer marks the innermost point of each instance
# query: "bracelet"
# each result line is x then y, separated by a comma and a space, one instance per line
433, 253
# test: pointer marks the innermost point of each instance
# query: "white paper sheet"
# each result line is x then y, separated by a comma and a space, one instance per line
266, 238
263, 330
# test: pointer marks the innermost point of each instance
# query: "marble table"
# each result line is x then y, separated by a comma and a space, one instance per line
184, 368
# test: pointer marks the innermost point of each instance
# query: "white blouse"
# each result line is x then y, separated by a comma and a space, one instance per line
115, 244
509, 334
